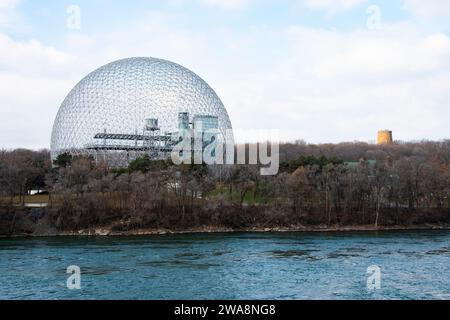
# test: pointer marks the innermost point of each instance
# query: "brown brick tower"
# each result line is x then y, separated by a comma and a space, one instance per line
385, 137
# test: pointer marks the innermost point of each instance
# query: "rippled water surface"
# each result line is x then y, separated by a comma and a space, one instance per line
415, 265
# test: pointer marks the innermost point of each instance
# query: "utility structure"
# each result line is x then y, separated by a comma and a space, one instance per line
118, 149
385, 137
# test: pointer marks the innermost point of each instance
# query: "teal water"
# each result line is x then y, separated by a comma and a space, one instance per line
414, 265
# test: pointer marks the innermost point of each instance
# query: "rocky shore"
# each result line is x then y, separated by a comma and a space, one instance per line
37, 222
108, 231
147, 232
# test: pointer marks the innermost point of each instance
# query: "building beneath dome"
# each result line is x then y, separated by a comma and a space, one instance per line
133, 107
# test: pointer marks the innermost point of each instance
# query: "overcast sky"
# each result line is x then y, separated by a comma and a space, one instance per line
317, 70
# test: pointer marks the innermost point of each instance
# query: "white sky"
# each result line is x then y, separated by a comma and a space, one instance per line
317, 70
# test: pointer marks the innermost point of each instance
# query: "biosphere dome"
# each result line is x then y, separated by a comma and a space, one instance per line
112, 107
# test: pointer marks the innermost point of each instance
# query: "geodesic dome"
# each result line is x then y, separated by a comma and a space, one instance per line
118, 97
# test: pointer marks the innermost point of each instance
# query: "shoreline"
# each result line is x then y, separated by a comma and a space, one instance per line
105, 232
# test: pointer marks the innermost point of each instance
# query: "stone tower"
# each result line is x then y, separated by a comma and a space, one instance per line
385, 137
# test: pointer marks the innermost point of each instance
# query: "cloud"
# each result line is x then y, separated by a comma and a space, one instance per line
338, 86
8, 4
7, 12
34, 79
227, 4
27, 106
429, 9
333, 6
32, 57
371, 54
310, 83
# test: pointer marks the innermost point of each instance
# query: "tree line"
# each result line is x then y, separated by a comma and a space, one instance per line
348, 184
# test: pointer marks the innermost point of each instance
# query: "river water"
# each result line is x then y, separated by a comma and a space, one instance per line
414, 265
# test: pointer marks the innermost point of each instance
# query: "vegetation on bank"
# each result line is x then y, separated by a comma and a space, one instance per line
346, 184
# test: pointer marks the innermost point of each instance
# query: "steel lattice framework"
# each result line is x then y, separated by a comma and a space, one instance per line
117, 98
